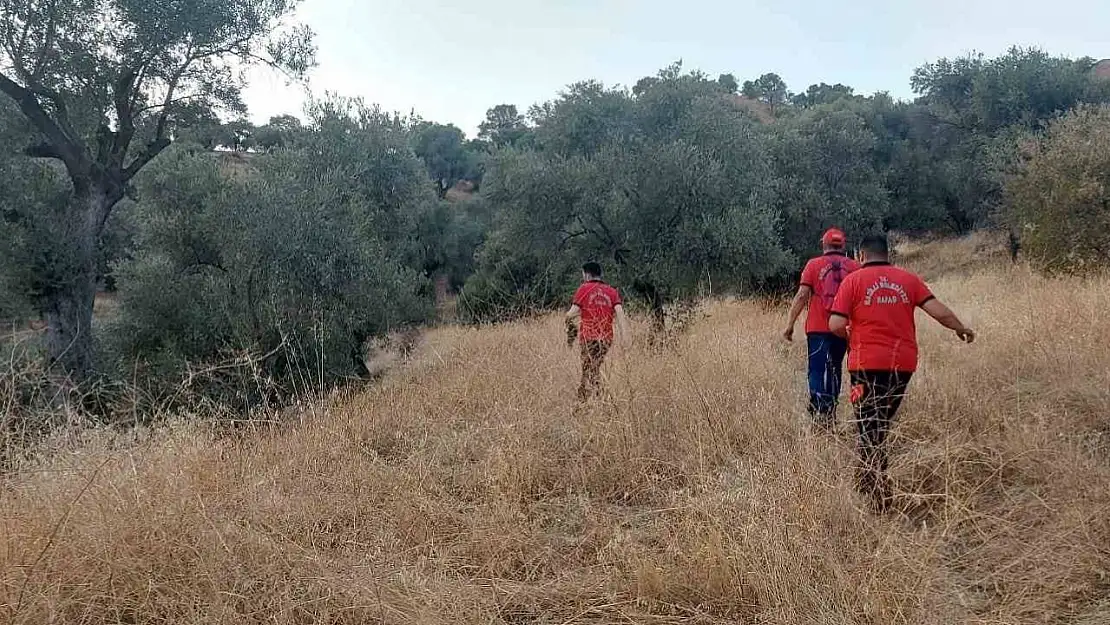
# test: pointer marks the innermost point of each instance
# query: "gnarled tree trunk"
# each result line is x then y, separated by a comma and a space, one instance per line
68, 305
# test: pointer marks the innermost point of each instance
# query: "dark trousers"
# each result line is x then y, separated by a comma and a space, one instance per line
826, 362
876, 395
593, 354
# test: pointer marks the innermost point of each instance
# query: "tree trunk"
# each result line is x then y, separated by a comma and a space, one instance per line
1015, 245
654, 299
68, 306
960, 220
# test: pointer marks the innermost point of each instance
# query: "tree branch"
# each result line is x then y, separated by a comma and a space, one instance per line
184, 98
124, 116
171, 88
16, 50
273, 65
43, 150
67, 150
47, 43
154, 148
160, 142
33, 78
61, 111
23, 36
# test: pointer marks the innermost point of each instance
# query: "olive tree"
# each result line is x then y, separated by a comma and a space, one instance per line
1061, 197
104, 83
667, 186
297, 257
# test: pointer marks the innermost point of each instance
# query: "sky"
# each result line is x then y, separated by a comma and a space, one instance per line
451, 60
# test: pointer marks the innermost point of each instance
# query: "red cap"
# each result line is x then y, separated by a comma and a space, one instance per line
833, 237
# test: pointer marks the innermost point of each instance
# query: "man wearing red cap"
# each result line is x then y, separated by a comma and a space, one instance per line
820, 281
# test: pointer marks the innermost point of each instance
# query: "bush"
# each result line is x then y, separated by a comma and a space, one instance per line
514, 283
33, 195
669, 221
824, 176
1061, 197
282, 267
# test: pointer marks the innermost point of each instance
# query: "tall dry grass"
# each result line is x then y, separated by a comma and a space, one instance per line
465, 489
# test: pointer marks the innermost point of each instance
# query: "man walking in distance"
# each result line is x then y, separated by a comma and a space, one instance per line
820, 281
596, 304
875, 310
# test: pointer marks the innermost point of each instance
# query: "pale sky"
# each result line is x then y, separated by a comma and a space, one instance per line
450, 61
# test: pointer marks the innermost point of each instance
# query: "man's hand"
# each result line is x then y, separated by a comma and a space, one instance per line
948, 319
838, 325
801, 300
572, 333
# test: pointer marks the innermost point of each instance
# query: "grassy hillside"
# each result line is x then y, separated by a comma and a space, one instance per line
465, 490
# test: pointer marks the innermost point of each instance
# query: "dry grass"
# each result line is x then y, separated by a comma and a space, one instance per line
465, 490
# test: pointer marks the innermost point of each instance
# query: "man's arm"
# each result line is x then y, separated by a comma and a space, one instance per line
948, 319
838, 325
622, 325
801, 299
572, 314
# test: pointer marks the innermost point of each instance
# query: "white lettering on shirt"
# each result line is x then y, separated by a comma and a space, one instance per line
884, 284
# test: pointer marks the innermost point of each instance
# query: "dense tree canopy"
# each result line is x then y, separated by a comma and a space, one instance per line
504, 126
300, 256
667, 185
769, 89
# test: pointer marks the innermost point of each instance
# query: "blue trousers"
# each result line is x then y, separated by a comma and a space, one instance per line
826, 366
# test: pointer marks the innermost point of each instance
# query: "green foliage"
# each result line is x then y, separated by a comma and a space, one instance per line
674, 185
817, 95
32, 194
446, 155
666, 187
449, 235
296, 257
281, 131
106, 85
504, 126
27, 189
825, 176
200, 126
586, 117
770, 89
512, 282
1022, 87
665, 102
973, 108
728, 83
85, 56
1061, 197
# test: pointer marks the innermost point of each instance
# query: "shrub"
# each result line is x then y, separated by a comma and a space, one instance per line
1061, 197
283, 270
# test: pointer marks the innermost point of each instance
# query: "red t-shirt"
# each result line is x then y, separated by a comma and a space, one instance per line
598, 302
820, 275
879, 301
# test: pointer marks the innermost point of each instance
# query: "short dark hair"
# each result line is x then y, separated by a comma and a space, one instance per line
875, 245
592, 268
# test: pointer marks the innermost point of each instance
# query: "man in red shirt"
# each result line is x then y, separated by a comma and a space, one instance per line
820, 281
596, 304
874, 309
